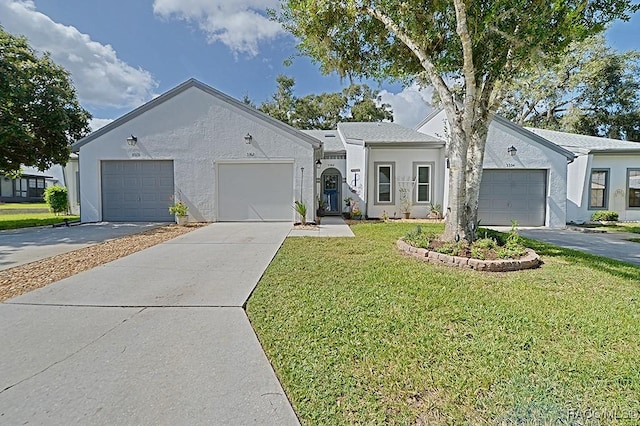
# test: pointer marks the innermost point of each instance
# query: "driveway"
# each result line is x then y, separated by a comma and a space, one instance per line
158, 337
27, 245
614, 245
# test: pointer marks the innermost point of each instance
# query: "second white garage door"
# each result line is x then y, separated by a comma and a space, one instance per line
255, 191
507, 195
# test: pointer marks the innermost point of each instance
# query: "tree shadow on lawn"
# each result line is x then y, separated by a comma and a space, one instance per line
612, 266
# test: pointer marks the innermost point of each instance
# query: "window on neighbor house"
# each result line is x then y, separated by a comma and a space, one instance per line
599, 189
423, 184
633, 183
36, 187
384, 187
20, 187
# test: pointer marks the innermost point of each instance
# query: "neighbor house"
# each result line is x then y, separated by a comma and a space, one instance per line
226, 160
524, 175
30, 186
604, 176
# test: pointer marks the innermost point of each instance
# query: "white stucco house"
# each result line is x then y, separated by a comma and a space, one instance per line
225, 160
379, 164
524, 174
604, 176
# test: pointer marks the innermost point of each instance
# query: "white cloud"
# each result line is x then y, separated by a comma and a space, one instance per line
100, 78
96, 123
410, 106
239, 24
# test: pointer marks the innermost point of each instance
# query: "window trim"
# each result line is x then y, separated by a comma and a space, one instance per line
431, 165
376, 167
628, 191
606, 189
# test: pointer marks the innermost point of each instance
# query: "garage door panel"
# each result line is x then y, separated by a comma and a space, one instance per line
255, 191
134, 190
507, 195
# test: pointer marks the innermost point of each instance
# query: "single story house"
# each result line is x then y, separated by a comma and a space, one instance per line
604, 176
383, 167
226, 160
524, 174
30, 186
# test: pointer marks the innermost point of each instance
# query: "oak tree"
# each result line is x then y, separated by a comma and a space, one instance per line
39, 112
482, 44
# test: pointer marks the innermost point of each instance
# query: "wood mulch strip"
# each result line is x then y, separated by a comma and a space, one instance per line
28, 277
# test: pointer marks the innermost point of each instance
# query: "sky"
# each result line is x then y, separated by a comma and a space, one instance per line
123, 53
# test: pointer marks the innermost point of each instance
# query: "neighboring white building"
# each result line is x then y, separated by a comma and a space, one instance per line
225, 160
604, 176
524, 175
30, 186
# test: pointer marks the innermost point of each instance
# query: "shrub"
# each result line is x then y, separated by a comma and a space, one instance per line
179, 209
417, 238
301, 209
607, 215
56, 198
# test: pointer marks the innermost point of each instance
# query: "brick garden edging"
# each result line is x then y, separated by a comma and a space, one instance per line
528, 261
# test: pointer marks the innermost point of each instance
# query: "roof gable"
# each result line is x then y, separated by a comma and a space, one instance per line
583, 144
501, 121
246, 109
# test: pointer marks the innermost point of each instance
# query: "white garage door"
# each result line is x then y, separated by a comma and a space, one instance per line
255, 191
137, 191
507, 195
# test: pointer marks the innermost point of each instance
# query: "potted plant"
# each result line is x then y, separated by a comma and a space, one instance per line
356, 213
322, 206
435, 211
405, 203
347, 201
180, 209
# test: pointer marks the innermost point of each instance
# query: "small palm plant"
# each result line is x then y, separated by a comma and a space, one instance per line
301, 209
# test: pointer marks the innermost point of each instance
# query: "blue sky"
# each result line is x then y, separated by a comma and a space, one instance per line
121, 53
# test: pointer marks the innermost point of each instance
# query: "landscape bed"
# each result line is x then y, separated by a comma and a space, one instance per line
359, 333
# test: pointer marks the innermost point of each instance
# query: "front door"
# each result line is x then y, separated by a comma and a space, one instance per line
331, 183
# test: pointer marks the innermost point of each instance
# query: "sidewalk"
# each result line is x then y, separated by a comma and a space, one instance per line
158, 337
330, 226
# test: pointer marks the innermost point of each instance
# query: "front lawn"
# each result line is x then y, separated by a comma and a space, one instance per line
25, 220
633, 227
361, 334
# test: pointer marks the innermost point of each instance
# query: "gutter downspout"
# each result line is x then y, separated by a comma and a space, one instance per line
365, 179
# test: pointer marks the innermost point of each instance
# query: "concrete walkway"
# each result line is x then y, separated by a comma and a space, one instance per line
330, 226
158, 337
20, 246
614, 245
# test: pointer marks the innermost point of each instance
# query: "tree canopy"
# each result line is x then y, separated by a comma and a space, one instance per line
357, 102
483, 44
39, 113
591, 90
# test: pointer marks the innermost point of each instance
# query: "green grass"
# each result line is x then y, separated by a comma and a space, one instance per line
8, 207
360, 334
25, 220
633, 227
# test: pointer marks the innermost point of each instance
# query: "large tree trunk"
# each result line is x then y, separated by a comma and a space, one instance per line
466, 155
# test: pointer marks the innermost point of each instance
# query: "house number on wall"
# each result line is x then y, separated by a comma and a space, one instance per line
251, 154
508, 165
135, 154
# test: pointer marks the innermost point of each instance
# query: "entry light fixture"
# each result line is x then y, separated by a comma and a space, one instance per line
132, 140
512, 150
248, 138
318, 163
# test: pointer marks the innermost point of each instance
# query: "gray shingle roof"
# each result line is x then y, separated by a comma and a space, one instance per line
330, 139
581, 144
384, 133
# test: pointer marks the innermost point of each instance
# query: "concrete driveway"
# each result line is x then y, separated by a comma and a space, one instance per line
158, 337
614, 245
27, 245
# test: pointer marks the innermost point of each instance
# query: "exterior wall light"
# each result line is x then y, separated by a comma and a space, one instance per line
248, 138
512, 150
318, 163
132, 140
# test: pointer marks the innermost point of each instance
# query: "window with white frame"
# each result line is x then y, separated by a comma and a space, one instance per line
633, 184
598, 189
384, 184
423, 183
